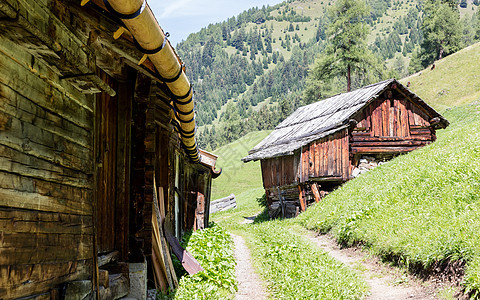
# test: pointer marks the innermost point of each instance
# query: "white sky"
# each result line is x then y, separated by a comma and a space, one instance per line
182, 17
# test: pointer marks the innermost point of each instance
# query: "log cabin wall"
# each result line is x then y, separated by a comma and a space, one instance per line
391, 124
46, 176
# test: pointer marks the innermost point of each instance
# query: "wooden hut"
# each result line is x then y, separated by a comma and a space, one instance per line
95, 111
326, 143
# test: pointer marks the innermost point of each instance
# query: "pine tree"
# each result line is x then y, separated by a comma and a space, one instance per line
347, 50
442, 31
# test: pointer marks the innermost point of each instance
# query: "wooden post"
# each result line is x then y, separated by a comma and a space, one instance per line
301, 198
281, 202
315, 192
200, 212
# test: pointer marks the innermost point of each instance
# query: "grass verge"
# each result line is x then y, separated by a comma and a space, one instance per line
421, 210
213, 248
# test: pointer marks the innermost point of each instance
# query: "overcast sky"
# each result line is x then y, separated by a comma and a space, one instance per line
182, 17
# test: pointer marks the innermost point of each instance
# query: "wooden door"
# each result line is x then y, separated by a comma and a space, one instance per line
106, 141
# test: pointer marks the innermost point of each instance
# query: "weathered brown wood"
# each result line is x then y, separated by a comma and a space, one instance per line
65, 105
162, 275
384, 118
124, 121
15, 250
329, 151
15, 221
15, 161
372, 150
301, 198
339, 161
107, 258
163, 253
14, 105
44, 188
33, 201
419, 137
200, 211
106, 135
315, 192
26, 279
345, 156
103, 278
321, 158
388, 143
160, 281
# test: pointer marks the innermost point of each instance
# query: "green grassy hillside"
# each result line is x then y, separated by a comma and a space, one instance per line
238, 177
421, 210
454, 81
242, 179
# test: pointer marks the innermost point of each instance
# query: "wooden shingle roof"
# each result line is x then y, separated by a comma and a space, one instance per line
323, 118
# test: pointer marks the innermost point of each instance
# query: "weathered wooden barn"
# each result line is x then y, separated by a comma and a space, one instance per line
95, 111
323, 144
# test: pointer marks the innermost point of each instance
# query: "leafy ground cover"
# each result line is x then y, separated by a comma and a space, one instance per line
421, 210
213, 248
296, 269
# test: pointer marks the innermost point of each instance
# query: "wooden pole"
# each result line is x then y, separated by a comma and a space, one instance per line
301, 198
315, 192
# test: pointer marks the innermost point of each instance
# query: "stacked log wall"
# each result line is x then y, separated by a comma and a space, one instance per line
46, 176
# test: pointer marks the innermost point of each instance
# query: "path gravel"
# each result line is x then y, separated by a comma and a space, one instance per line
250, 286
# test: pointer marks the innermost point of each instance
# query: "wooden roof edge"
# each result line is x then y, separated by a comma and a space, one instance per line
298, 143
209, 160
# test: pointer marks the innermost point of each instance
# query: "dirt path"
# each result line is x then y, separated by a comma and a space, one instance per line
249, 283
385, 282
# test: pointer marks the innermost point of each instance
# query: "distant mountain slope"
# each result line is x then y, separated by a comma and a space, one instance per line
225, 59
258, 61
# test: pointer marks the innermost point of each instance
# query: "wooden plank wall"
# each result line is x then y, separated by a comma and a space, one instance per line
279, 171
106, 139
391, 126
327, 158
46, 180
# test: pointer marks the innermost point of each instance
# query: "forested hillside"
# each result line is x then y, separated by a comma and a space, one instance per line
250, 71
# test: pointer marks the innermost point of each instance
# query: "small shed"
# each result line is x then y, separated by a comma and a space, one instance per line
97, 130
326, 143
